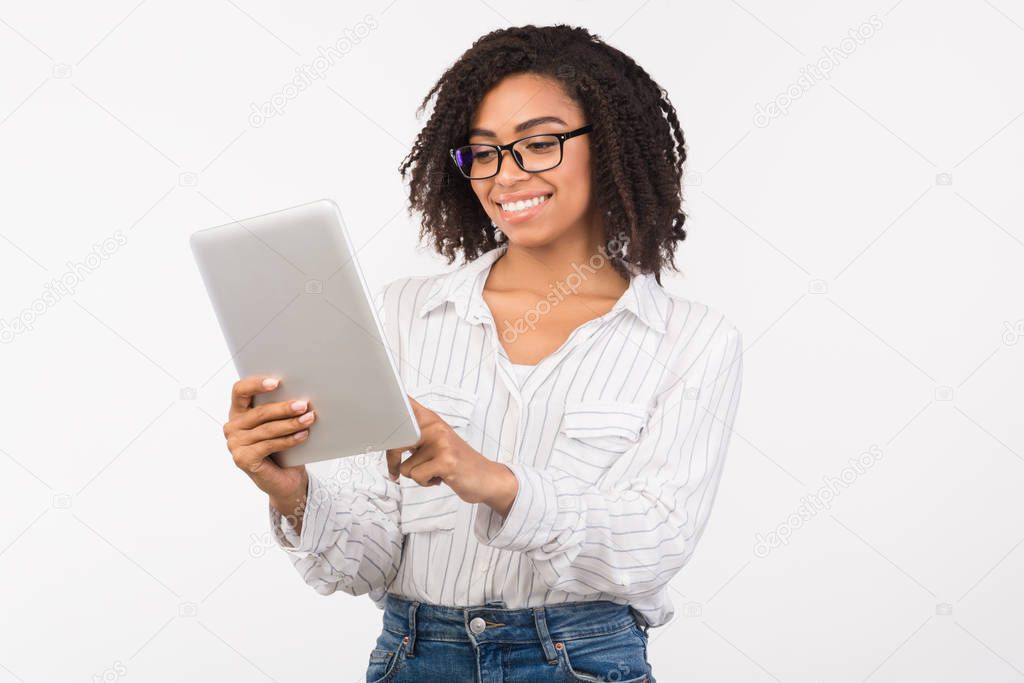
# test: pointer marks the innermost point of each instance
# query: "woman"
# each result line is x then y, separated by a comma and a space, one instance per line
574, 414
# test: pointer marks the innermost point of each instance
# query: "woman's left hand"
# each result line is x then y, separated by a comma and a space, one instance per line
442, 456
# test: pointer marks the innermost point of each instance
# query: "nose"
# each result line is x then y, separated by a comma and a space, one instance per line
509, 173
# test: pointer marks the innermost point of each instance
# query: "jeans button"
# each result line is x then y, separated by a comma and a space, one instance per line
477, 625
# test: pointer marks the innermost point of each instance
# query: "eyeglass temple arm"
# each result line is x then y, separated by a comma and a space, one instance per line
579, 131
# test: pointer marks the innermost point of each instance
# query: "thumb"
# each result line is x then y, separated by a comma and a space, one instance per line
394, 456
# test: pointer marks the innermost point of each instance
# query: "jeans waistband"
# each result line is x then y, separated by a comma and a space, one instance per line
493, 622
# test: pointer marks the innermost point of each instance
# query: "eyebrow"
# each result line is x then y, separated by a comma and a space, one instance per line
525, 125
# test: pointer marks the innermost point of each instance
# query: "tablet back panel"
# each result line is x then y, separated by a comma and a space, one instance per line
292, 302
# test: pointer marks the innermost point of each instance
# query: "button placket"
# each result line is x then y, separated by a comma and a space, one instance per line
521, 395
517, 425
504, 365
483, 563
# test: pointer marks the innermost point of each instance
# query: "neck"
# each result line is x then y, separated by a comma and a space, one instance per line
575, 263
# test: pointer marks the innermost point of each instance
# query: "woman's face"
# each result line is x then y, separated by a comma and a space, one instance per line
527, 104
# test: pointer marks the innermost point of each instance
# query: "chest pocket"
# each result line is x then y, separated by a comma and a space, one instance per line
594, 434
434, 508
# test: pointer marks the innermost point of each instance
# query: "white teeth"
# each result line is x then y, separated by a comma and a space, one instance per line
524, 204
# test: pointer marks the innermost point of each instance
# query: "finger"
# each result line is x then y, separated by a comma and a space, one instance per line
244, 389
426, 472
394, 456
278, 410
420, 411
255, 457
427, 419
274, 429
418, 457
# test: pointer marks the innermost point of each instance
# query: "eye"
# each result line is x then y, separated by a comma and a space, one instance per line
541, 146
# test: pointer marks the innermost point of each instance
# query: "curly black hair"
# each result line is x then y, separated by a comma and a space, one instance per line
637, 144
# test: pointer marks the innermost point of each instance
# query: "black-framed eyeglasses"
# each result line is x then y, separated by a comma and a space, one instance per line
533, 154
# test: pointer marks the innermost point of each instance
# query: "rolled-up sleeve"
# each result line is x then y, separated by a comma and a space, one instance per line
632, 531
350, 538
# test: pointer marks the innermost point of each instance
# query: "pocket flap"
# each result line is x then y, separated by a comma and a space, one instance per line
608, 423
594, 435
454, 404
427, 508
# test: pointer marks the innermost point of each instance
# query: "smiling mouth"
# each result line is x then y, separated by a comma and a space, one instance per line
524, 206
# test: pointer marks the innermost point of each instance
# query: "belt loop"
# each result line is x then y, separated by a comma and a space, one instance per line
545, 637
410, 650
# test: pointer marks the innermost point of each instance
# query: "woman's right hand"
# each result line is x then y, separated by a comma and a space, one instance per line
254, 433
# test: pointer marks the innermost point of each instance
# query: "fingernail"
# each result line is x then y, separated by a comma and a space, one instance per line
270, 383
394, 477
299, 436
298, 406
307, 418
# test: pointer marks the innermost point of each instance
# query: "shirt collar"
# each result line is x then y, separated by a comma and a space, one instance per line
644, 298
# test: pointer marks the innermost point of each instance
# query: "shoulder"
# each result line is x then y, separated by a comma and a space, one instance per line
427, 292
697, 321
399, 286
700, 333
402, 293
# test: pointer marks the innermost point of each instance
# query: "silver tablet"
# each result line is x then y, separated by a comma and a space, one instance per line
292, 302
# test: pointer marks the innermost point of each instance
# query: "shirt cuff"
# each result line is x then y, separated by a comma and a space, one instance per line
319, 513
530, 521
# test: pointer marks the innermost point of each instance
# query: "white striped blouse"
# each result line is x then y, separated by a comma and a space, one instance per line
617, 439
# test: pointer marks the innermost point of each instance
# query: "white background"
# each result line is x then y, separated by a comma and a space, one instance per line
867, 242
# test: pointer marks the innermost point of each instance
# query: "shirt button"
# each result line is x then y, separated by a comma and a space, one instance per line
477, 625
483, 568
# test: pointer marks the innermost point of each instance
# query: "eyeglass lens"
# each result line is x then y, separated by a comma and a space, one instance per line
534, 154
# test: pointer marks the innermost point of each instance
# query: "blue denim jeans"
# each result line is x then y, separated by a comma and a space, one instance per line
566, 642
